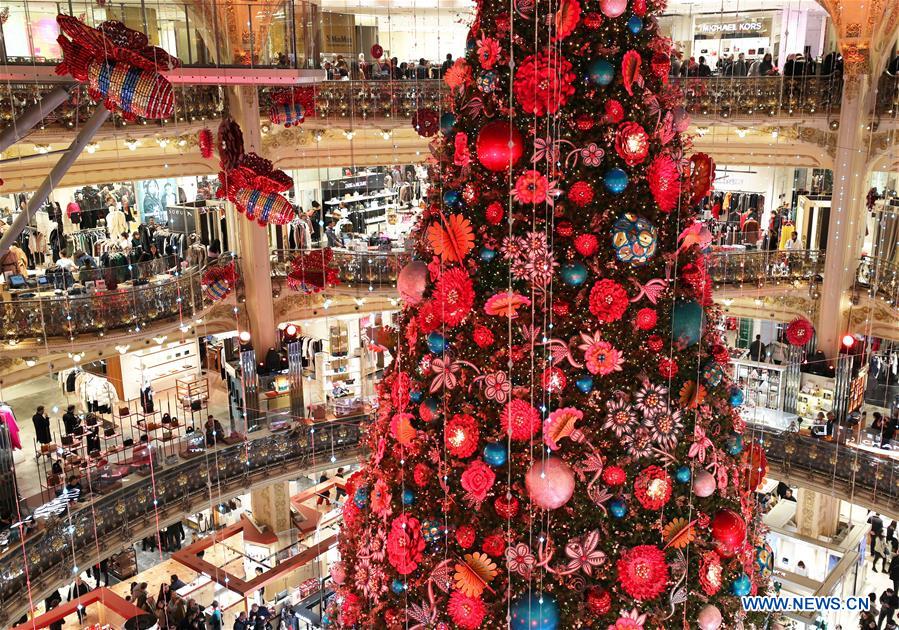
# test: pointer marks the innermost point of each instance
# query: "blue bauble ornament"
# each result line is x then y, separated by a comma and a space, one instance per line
635, 24
615, 180
487, 254
574, 274
436, 342
686, 322
432, 404
764, 560
495, 454
617, 508
415, 396
601, 72
634, 239
537, 611
585, 384
735, 445
682, 474
447, 122
741, 586
360, 497
736, 396
408, 497
397, 586
452, 199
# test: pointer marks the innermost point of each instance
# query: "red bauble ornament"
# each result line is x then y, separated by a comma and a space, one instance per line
465, 535
800, 331
661, 66
506, 506
729, 529
592, 20
376, 51
639, 7
586, 244
494, 213
655, 343
482, 336
598, 600
632, 143
614, 111
499, 145
564, 229
561, 308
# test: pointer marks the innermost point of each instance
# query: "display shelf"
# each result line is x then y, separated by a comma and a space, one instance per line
192, 394
336, 201
762, 383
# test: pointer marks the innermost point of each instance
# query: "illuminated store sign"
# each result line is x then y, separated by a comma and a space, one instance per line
715, 28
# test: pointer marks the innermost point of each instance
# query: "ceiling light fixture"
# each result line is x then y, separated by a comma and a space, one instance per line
131, 143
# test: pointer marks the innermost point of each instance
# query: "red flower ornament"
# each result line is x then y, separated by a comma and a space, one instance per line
643, 572
405, 544
543, 83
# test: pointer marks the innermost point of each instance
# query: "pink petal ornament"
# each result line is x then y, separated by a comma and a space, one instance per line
704, 484
709, 618
613, 8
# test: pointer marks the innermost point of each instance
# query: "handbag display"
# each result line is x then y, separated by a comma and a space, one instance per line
91, 420
68, 440
124, 411
79, 430
109, 431
108, 424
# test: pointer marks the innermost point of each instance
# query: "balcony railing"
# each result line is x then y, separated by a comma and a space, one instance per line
100, 527
776, 96
67, 316
761, 267
880, 278
355, 269
848, 472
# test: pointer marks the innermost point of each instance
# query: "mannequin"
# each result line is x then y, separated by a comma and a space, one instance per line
146, 395
116, 223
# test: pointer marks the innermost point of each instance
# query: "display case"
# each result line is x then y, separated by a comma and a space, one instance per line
815, 395
762, 383
192, 393
123, 565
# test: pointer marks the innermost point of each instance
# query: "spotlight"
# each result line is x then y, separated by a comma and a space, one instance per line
244, 336
848, 341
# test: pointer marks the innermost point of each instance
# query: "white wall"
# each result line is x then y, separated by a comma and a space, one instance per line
409, 37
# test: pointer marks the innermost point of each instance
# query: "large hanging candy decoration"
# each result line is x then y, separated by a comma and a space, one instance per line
119, 66
218, 281
206, 141
250, 182
292, 106
311, 272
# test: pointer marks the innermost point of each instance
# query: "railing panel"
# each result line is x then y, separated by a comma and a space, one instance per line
880, 278
759, 267
355, 269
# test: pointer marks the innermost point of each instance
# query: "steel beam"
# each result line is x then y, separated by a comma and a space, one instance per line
32, 116
56, 174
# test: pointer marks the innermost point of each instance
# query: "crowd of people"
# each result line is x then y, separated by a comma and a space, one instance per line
384, 69
795, 65
884, 546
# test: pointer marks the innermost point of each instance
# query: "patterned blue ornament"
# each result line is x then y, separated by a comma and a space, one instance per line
585, 384
452, 199
601, 72
735, 445
686, 322
487, 82
736, 396
447, 122
742, 586
634, 239
397, 586
615, 180
535, 611
360, 497
436, 342
433, 531
574, 274
682, 474
635, 24
712, 373
764, 560
408, 497
487, 254
495, 454
617, 508
415, 396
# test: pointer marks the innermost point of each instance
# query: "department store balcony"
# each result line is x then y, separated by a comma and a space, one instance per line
122, 512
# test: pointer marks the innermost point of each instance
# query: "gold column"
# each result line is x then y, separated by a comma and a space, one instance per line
816, 514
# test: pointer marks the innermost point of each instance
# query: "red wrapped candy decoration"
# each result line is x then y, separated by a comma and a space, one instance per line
292, 106
206, 140
312, 271
218, 281
754, 467
800, 331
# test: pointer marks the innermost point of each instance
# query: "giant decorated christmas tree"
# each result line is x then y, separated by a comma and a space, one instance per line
557, 444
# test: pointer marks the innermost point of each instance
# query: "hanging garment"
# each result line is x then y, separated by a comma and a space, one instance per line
9, 419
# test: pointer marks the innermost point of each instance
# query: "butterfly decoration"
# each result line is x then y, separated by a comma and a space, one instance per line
546, 149
451, 237
666, 132
560, 351
445, 371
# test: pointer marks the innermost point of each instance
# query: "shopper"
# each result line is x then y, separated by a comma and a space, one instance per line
757, 349
888, 605
766, 67
215, 432
49, 604
242, 623
894, 571
42, 426
422, 71
703, 69
801, 569
793, 244
70, 419
78, 589
878, 552
447, 64
176, 583
216, 622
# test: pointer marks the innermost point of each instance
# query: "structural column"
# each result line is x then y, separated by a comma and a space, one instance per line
252, 245
846, 216
816, 514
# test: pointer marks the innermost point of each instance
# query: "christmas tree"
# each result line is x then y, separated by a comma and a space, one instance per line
557, 443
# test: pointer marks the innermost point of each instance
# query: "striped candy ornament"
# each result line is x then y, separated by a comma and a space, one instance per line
218, 280
135, 91
263, 207
287, 114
